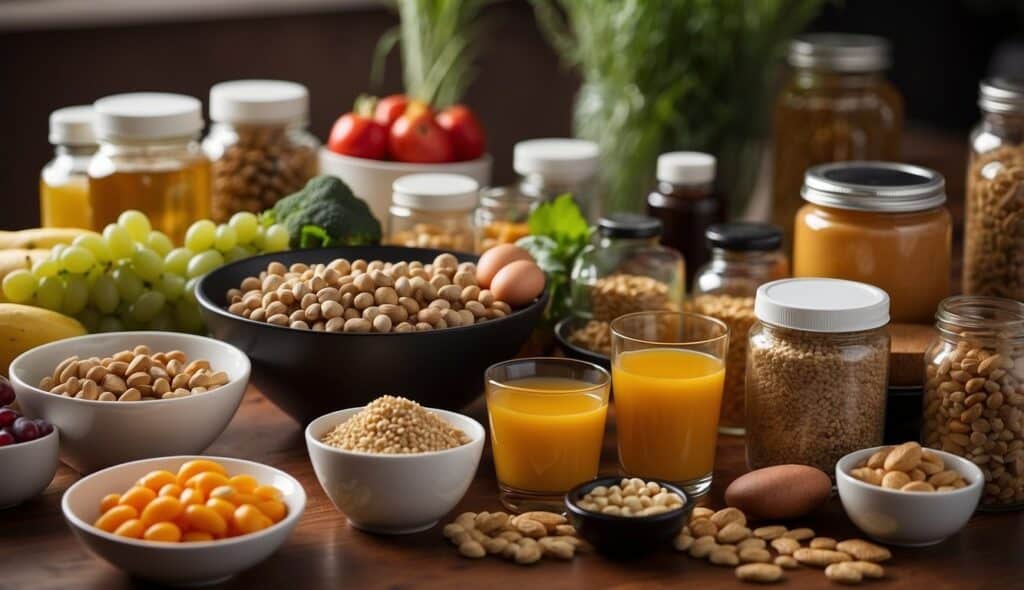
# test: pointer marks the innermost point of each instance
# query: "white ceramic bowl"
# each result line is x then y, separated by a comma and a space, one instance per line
908, 519
371, 180
394, 494
27, 468
97, 434
178, 564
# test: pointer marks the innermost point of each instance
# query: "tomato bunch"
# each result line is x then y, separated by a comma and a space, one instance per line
397, 128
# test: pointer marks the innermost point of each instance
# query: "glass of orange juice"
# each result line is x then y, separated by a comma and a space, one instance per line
547, 420
668, 369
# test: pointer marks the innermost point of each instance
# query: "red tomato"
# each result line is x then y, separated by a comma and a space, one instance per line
467, 135
416, 137
389, 109
358, 136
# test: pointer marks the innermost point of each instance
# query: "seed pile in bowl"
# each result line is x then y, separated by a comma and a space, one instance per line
395, 426
133, 375
908, 468
631, 497
361, 296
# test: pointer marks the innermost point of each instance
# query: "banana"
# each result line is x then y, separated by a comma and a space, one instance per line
39, 237
19, 258
23, 327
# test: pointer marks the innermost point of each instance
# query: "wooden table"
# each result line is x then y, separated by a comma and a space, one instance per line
37, 551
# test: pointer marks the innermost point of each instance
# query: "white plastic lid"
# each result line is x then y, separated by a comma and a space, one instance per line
562, 160
147, 115
72, 126
686, 168
258, 101
435, 192
822, 305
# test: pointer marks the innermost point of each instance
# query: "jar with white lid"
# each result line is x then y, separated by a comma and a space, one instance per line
258, 144
63, 183
433, 211
554, 166
149, 159
817, 371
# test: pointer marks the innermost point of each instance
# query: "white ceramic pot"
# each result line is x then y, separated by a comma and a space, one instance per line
394, 494
27, 468
909, 519
178, 564
371, 180
97, 434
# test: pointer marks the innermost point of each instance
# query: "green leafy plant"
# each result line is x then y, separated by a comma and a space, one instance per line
437, 39
661, 75
558, 232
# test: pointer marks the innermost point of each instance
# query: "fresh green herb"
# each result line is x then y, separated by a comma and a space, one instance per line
558, 232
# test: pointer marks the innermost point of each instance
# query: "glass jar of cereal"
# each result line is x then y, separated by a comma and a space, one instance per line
433, 211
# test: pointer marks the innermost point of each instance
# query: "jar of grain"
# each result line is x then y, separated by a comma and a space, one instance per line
974, 392
817, 370
994, 231
743, 257
433, 211
258, 144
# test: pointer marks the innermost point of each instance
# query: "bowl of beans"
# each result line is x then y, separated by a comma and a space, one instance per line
123, 396
336, 327
187, 520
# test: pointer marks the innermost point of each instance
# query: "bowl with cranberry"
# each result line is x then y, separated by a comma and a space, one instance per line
28, 452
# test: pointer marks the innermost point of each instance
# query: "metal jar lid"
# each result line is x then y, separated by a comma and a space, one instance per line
839, 52
886, 187
1001, 95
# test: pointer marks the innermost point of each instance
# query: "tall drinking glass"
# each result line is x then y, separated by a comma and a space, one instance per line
547, 422
668, 370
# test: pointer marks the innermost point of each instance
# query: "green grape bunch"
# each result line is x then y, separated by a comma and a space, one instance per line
131, 277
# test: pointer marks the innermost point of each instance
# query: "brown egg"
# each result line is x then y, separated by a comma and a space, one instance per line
494, 259
779, 492
518, 283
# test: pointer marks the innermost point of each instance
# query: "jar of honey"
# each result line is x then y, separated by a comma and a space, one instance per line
502, 217
836, 107
149, 159
433, 211
63, 184
879, 223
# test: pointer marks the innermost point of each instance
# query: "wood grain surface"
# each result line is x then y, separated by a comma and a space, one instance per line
38, 551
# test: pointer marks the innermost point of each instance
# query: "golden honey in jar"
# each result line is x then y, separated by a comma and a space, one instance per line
63, 183
837, 106
879, 223
149, 159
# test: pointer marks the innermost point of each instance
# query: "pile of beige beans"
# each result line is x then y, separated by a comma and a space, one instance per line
908, 468
522, 539
632, 497
361, 296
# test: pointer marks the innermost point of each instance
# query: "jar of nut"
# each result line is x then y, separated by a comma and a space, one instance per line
502, 217
974, 392
258, 143
817, 370
744, 256
433, 211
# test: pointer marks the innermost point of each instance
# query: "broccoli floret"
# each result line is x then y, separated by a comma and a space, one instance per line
325, 213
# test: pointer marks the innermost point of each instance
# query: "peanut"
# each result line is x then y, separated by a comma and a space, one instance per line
864, 550
800, 534
843, 573
723, 556
785, 545
819, 557
822, 543
786, 562
754, 555
762, 573
132, 375
769, 533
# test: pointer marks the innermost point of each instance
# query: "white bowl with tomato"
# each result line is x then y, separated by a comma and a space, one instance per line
383, 140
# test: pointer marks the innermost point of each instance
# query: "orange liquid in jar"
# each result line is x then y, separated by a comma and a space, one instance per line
667, 403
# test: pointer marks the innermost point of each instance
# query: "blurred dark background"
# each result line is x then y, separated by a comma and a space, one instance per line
941, 49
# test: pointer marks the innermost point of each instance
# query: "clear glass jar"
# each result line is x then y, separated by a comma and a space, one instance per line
817, 372
548, 168
879, 223
994, 232
149, 159
744, 256
433, 211
837, 106
63, 183
502, 217
974, 392
258, 144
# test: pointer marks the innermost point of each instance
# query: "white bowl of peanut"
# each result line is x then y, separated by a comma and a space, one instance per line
124, 396
908, 496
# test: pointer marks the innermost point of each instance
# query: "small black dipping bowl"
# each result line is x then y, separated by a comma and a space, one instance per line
563, 331
308, 374
625, 536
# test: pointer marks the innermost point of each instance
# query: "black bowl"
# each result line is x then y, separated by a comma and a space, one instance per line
308, 374
564, 329
626, 536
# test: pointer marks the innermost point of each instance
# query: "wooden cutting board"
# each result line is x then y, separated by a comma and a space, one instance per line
906, 357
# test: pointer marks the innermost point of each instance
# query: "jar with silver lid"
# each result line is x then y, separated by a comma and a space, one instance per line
880, 223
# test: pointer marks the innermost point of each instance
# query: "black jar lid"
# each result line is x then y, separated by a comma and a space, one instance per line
744, 236
628, 225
